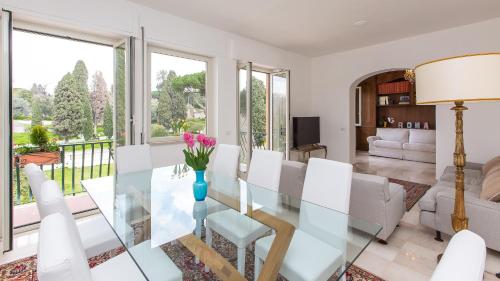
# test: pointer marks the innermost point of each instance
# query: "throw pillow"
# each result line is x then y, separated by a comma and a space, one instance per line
488, 166
491, 187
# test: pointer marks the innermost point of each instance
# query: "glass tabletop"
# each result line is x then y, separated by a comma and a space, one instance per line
155, 216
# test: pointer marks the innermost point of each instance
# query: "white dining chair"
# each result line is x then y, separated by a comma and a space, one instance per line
265, 171
317, 246
133, 158
61, 258
227, 160
95, 233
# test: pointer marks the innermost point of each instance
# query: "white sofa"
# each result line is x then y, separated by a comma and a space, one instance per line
408, 144
436, 206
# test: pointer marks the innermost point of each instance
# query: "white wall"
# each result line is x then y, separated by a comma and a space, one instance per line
334, 76
124, 18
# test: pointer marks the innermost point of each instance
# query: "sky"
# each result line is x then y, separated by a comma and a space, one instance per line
45, 60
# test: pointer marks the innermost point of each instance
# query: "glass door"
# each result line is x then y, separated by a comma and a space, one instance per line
244, 113
6, 136
280, 112
123, 118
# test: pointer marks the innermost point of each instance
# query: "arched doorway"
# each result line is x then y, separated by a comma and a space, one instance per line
386, 100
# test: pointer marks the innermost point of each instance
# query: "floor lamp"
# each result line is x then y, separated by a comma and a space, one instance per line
469, 78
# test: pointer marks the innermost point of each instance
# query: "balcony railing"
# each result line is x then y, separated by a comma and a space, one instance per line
79, 161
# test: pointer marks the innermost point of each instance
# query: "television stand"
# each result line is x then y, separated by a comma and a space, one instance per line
307, 149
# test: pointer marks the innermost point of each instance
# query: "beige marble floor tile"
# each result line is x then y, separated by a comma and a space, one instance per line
418, 258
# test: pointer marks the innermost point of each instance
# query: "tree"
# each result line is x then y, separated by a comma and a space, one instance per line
165, 114
36, 114
21, 108
44, 101
259, 107
81, 75
99, 97
68, 109
158, 130
108, 121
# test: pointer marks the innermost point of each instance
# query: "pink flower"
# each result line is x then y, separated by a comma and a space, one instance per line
188, 137
212, 142
190, 143
209, 142
201, 138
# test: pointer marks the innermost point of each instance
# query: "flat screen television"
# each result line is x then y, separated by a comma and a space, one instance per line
305, 131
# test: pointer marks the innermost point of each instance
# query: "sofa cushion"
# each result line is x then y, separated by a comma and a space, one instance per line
388, 144
393, 134
422, 136
423, 147
491, 164
491, 187
472, 177
428, 201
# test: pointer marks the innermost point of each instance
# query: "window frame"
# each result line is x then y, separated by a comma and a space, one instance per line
208, 92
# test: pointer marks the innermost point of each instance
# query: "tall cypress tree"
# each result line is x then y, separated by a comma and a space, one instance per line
68, 109
108, 121
36, 112
81, 77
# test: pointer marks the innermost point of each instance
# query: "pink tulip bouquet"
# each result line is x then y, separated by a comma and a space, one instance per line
198, 157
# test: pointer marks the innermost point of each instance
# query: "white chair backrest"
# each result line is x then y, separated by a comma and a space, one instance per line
51, 201
60, 258
133, 158
328, 183
463, 259
265, 169
327, 187
227, 160
35, 177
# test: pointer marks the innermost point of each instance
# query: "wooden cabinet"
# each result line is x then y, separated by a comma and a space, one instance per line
373, 114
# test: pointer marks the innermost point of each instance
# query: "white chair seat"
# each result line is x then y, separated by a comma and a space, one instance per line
98, 237
307, 258
121, 267
237, 228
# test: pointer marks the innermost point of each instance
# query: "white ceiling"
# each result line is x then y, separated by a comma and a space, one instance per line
317, 27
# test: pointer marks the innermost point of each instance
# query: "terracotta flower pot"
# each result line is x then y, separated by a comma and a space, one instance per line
40, 158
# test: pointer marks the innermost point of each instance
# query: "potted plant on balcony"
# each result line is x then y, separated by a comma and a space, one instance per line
41, 151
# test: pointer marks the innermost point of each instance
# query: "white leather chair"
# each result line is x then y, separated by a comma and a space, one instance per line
61, 257
227, 160
96, 234
133, 158
265, 171
463, 260
315, 252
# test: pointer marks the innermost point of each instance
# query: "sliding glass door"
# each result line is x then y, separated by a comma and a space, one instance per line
6, 137
263, 103
280, 112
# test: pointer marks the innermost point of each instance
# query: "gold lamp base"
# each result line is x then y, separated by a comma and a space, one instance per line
459, 221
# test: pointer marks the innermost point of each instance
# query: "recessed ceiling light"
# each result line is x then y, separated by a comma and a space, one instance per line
360, 23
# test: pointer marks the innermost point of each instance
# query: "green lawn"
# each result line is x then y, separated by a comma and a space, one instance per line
68, 174
24, 138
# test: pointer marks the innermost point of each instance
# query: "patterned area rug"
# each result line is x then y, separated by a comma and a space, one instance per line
414, 191
25, 269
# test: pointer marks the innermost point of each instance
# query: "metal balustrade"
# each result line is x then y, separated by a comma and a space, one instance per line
74, 158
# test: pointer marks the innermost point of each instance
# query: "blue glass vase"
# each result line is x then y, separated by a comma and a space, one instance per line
200, 186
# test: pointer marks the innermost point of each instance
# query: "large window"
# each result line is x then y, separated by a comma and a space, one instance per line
178, 100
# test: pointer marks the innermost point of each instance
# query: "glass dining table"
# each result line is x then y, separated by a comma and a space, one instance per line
154, 211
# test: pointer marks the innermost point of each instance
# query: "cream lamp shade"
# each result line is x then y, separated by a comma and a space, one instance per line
464, 78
